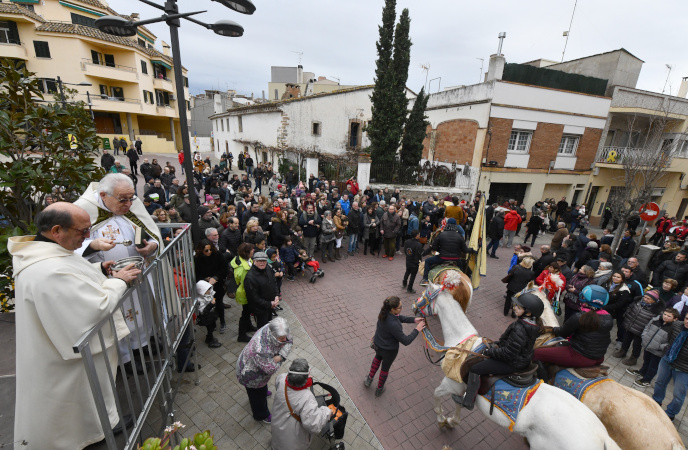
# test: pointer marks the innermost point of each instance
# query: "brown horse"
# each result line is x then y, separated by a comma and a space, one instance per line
632, 419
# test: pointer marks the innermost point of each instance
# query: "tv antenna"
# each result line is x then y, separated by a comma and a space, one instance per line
566, 33
426, 69
480, 75
668, 66
300, 55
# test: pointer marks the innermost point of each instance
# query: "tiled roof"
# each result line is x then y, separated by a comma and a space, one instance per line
97, 4
82, 30
12, 8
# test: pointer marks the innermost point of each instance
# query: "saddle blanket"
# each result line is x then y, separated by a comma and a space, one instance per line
576, 385
510, 400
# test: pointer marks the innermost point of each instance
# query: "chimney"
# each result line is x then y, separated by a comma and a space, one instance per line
166, 49
683, 90
496, 68
134, 16
299, 74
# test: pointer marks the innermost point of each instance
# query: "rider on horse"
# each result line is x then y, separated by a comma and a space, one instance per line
514, 349
451, 247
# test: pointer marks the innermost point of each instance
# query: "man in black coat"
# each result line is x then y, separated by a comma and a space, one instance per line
414, 253
107, 161
561, 207
353, 227
231, 238
565, 269
675, 268
158, 189
451, 247
133, 160
495, 232
627, 245
146, 169
545, 260
261, 292
253, 211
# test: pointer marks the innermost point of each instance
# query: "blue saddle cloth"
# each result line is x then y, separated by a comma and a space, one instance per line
574, 385
510, 400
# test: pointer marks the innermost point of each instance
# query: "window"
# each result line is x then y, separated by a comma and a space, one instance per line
144, 67
217, 126
160, 71
682, 149
162, 98
148, 97
8, 32
188, 105
222, 124
42, 49
227, 123
186, 82
96, 57
103, 91
117, 92
241, 124
568, 145
78, 19
109, 60
519, 142
141, 43
315, 128
276, 94
48, 85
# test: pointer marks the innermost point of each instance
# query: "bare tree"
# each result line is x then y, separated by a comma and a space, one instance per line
643, 167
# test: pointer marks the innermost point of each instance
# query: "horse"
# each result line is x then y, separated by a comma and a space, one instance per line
540, 419
632, 419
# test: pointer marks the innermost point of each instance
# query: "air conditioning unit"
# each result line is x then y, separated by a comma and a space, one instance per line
658, 192
172, 97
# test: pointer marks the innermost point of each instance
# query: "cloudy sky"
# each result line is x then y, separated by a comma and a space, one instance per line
337, 38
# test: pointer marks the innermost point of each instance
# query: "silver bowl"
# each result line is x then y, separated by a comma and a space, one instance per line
124, 262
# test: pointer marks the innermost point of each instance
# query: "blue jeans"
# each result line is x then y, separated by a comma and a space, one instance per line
574, 225
353, 240
249, 170
430, 263
666, 373
650, 366
494, 245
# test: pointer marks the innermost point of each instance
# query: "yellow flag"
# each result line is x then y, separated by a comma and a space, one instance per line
478, 262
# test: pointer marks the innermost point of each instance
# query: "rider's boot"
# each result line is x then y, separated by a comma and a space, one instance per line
471, 390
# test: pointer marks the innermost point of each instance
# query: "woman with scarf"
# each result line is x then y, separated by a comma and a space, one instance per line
588, 331
327, 236
388, 335
211, 267
297, 414
370, 230
674, 365
619, 299
575, 285
259, 360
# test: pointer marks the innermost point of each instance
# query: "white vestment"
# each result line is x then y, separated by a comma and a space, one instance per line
119, 228
287, 432
59, 297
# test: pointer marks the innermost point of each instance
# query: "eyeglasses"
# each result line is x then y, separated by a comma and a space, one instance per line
125, 200
83, 232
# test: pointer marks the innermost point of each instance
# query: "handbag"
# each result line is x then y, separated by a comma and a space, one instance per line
339, 233
507, 278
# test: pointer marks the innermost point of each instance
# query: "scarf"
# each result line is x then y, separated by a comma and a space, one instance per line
681, 303
612, 286
672, 354
309, 383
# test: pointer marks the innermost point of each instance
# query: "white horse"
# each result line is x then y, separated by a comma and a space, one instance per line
633, 419
552, 419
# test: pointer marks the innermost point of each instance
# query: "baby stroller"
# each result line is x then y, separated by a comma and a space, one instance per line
306, 264
334, 429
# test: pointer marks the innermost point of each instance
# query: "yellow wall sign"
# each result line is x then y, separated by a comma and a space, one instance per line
72, 141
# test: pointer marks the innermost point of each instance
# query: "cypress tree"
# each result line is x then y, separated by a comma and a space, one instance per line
415, 131
400, 66
383, 120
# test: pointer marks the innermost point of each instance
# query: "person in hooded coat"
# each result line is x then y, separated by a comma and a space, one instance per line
294, 397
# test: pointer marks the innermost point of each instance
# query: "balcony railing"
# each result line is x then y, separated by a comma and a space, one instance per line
615, 155
91, 62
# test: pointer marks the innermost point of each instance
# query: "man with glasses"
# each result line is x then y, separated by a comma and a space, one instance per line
116, 214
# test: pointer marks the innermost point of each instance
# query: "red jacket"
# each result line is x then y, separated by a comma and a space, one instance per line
511, 220
181, 157
663, 225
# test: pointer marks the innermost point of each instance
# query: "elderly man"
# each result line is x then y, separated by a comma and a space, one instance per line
107, 160
146, 169
59, 297
213, 236
559, 236
207, 219
390, 225
297, 414
117, 215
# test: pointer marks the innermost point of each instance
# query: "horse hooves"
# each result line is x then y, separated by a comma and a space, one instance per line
442, 424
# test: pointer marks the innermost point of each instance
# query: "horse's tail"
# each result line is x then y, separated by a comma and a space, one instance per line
610, 444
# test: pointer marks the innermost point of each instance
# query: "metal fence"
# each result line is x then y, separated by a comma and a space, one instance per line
160, 304
425, 174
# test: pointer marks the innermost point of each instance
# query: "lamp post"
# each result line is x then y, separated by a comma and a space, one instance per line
62, 96
120, 26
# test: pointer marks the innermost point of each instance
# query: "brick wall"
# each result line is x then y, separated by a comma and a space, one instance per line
456, 141
544, 145
587, 148
498, 140
427, 142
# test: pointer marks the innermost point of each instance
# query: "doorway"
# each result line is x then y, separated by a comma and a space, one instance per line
503, 192
682, 208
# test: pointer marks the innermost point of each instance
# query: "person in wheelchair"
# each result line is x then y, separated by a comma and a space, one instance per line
514, 349
451, 247
588, 331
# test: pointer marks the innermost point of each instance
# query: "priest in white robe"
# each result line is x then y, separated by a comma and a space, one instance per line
115, 214
60, 296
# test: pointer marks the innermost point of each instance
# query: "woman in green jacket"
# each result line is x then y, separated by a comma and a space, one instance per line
241, 265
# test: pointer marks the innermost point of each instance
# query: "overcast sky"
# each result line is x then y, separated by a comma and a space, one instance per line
337, 38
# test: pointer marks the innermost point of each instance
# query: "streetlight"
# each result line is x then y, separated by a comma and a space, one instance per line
120, 26
83, 83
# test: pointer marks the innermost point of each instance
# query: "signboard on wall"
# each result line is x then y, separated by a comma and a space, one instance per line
106, 143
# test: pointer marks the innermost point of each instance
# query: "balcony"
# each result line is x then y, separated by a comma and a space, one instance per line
14, 50
615, 155
166, 111
163, 84
116, 104
109, 72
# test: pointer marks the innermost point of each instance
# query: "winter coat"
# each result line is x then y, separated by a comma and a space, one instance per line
308, 229
240, 267
656, 336
256, 363
558, 238
391, 225
389, 333
368, 220
212, 266
534, 225
588, 255
639, 314
511, 220
542, 263
340, 223
515, 346
661, 256
671, 269
253, 237
289, 254
626, 247
230, 240
354, 221
520, 277
450, 244
680, 304
619, 299
327, 228
279, 232
496, 228
414, 252
681, 362
591, 344
260, 290
413, 223
579, 281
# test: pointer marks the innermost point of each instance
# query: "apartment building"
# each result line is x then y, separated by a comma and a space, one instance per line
132, 90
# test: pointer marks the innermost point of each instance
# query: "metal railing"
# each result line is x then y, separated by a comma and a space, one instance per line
426, 174
103, 63
115, 99
615, 155
159, 305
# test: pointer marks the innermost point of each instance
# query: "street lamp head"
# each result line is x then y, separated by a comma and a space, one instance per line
227, 28
240, 6
118, 26
84, 83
